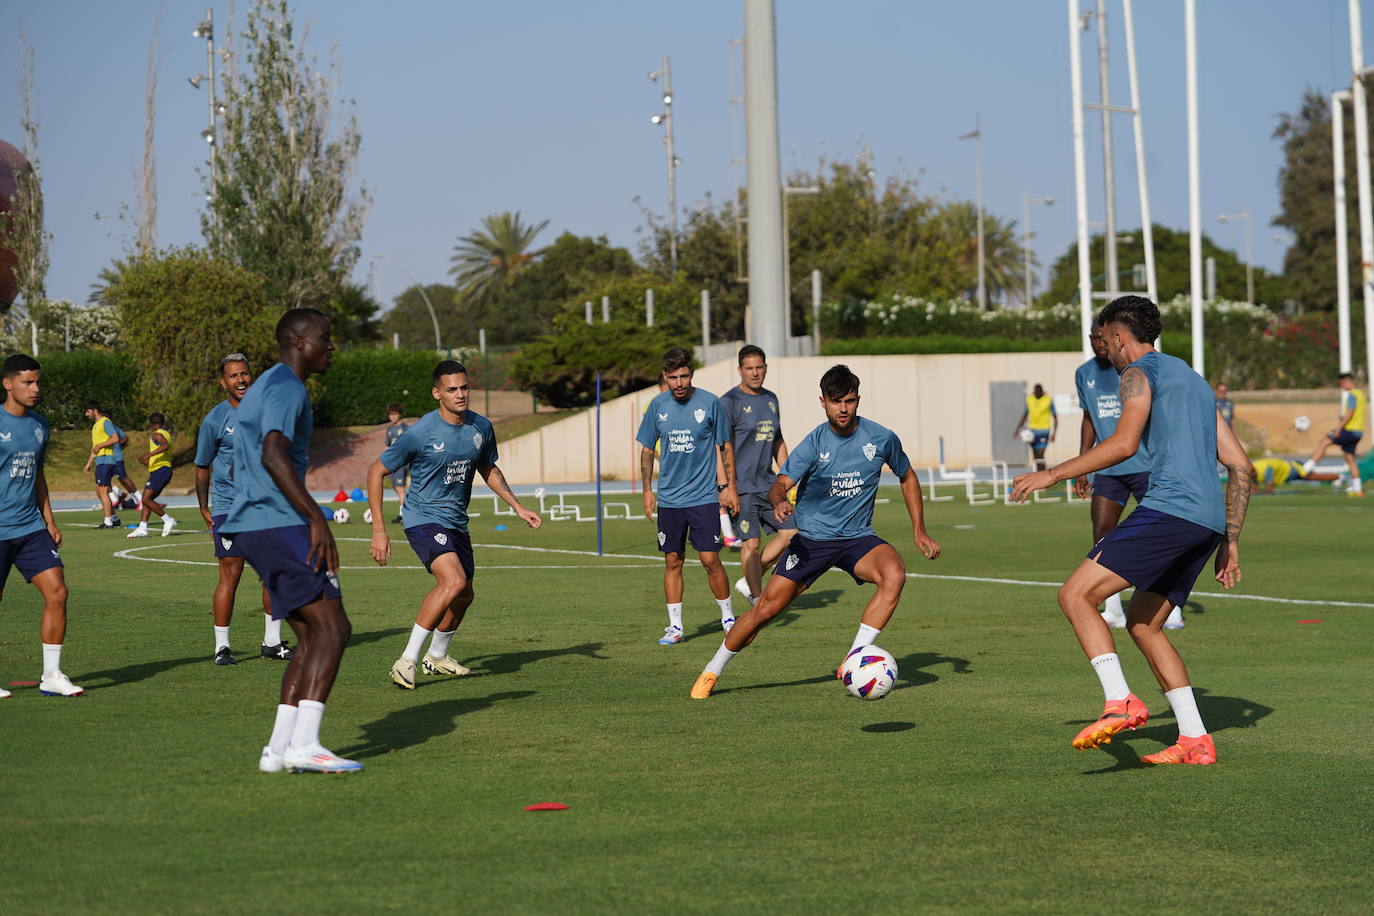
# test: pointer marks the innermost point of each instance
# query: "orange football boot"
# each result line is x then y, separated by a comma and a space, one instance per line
1117, 716
706, 682
1199, 750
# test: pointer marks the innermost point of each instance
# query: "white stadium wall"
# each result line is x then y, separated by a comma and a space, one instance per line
921, 398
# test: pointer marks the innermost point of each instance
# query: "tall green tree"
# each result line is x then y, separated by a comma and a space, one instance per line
280, 203
1003, 256
488, 260
1173, 269
1307, 202
353, 313
409, 318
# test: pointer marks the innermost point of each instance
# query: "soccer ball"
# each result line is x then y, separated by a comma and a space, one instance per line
341, 516
869, 672
367, 516
1027, 436
1302, 424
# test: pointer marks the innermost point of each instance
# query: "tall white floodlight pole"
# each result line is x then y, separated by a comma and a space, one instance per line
1080, 182
768, 312
665, 117
1362, 176
1146, 229
1108, 165
1194, 181
977, 137
1338, 100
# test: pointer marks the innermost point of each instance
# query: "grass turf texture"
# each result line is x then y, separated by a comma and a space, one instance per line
959, 791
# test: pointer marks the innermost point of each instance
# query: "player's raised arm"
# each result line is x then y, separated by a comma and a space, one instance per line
1240, 484
1120, 445
380, 547
497, 481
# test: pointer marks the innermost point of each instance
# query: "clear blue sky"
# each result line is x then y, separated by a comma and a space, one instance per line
471, 108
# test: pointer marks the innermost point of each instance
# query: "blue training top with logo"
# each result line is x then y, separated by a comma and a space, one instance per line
276, 402
1181, 437
691, 431
443, 457
23, 442
754, 425
1099, 391
837, 478
215, 450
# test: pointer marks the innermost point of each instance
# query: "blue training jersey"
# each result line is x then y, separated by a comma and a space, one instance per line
23, 442
276, 402
1099, 392
1181, 437
690, 431
837, 478
754, 425
215, 450
442, 457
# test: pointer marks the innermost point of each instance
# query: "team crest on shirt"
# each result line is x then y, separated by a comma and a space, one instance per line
476, 440
747, 409
441, 539
5, 437
870, 450
792, 561
662, 538
38, 434
699, 414
744, 526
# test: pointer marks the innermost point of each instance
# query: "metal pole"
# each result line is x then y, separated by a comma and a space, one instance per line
433, 316
67, 331
486, 372
605, 308
705, 322
1080, 183
672, 163
1025, 243
1342, 231
210, 76
1108, 172
767, 296
600, 542
1249, 261
589, 311
1146, 228
1362, 180
982, 261
815, 313
648, 308
1194, 184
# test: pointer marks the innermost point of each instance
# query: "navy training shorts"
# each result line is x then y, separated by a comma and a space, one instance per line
32, 553
429, 541
1157, 552
703, 521
278, 555
224, 543
1119, 488
755, 517
157, 481
805, 559
104, 473
1041, 439
1347, 439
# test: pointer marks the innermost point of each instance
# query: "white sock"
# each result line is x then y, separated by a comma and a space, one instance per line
865, 636
168, 521
142, 526
110, 519
675, 615
306, 733
1185, 711
271, 632
1308, 465
725, 527
52, 658
722, 656
1108, 670
438, 645
418, 635
1114, 608
221, 638
282, 729
1356, 485
727, 608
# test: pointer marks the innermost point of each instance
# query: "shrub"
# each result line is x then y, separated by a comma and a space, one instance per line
360, 384
560, 369
72, 379
945, 343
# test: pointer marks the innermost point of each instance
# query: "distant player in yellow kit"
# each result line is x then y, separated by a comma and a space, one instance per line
1042, 421
1272, 472
1347, 434
159, 461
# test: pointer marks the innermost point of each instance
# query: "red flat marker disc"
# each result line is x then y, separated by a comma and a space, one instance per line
23, 683
547, 806
1311, 621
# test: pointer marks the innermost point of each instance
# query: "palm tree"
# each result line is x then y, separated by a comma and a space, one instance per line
1002, 251
492, 257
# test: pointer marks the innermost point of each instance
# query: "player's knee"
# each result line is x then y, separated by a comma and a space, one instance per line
672, 561
712, 563
57, 595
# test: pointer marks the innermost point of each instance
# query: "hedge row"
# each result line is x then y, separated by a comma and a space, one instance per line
71, 379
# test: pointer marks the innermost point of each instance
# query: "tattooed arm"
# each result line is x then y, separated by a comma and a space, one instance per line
1240, 483
646, 475
729, 497
497, 481
1120, 445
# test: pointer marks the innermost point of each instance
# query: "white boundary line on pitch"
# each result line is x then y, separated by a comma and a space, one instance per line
129, 554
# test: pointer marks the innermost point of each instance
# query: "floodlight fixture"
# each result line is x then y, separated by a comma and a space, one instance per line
656, 119
204, 30
196, 80
667, 99
208, 136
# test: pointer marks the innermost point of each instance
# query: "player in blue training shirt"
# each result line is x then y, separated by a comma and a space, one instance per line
756, 428
836, 469
215, 492
1165, 542
441, 451
692, 428
29, 538
279, 529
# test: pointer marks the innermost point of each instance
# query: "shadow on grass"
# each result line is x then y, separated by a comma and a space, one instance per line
809, 599
510, 662
805, 601
358, 639
1219, 713
414, 725
910, 673
132, 674
886, 727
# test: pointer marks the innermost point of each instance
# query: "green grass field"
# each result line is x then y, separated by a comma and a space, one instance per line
957, 792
